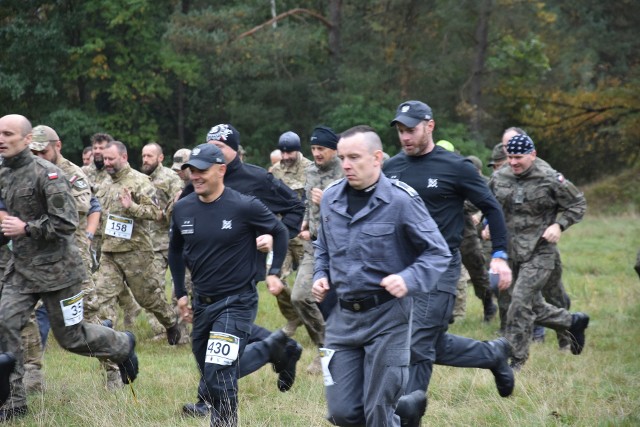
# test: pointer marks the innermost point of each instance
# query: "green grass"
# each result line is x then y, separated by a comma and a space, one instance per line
601, 387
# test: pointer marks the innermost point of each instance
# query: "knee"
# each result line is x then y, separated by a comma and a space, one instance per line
346, 415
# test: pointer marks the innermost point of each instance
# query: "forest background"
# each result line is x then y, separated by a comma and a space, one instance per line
168, 70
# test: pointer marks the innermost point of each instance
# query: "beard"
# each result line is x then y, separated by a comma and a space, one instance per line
148, 169
99, 163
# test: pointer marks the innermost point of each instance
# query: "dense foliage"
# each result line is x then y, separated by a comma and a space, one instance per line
167, 70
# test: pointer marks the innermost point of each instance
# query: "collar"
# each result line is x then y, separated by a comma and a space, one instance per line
21, 159
122, 172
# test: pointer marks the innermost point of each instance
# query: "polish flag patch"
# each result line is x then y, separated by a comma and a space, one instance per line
53, 175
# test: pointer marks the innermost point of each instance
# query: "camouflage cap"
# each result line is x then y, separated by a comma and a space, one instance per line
41, 136
180, 157
497, 154
476, 162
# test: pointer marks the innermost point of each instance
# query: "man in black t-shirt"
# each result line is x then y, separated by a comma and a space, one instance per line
214, 229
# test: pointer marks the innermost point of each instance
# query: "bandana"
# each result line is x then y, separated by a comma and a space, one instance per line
520, 144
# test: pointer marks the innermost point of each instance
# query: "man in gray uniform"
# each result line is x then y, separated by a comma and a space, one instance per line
365, 218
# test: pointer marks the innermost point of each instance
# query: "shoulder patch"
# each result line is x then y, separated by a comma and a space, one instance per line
52, 175
80, 183
404, 186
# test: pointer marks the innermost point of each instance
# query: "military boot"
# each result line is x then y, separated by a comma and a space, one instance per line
502, 372
579, 322
411, 408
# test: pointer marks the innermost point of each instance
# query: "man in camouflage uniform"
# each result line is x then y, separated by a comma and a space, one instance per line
554, 292
45, 263
46, 144
324, 170
180, 158
99, 178
128, 204
538, 204
168, 186
290, 169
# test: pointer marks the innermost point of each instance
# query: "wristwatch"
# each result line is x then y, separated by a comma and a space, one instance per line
500, 254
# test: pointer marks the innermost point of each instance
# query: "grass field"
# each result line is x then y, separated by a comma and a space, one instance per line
599, 388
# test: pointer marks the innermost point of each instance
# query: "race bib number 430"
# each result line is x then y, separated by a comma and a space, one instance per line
119, 226
222, 348
72, 310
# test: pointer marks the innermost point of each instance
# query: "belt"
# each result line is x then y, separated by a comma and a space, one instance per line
365, 304
208, 300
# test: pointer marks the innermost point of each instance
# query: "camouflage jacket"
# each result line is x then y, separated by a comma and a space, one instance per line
81, 192
127, 229
319, 177
37, 192
97, 177
293, 176
167, 184
531, 202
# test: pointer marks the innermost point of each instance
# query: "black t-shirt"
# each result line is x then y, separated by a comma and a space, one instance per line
444, 181
217, 241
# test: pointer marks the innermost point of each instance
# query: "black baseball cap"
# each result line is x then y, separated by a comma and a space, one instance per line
288, 142
204, 156
411, 113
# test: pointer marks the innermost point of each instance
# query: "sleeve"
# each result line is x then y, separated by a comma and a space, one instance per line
571, 201
144, 204
283, 201
433, 257
321, 254
265, 222
81, 193
176, 260
477, 192
95, 205
61, 216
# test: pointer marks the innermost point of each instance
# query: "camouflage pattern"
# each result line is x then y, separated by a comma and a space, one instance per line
531, 202
294, 177
303, 301
45, 265
473, 258
460, 305
167, 184
144, 208
98, 178
319, 177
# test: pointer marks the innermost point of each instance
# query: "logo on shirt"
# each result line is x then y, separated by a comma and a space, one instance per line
226, 225
432, 183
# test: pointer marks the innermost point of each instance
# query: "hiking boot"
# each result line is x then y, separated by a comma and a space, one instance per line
129, 368
489, 307
200, 409
502, 372
11, 413
579, 322
7, 363
33, 378
411, 408
315, 367
287, 376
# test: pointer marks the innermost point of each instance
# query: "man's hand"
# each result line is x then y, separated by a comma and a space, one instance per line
316, 195
320, 289
264, 243
552, 233
395, 285
125, 198
186, 313
501, 268
486, 234
304, 231
274, 285
12, 226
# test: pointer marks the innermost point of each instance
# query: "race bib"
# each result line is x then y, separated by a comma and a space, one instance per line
72, 310
325, 357
119, 226
222, 349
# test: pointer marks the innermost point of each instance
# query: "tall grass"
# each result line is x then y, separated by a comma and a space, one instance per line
599, 387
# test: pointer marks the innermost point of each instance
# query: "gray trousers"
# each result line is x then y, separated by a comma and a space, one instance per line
82, 338
370, 365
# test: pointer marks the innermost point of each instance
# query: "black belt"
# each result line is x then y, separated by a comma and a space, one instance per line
364, 304
208, 300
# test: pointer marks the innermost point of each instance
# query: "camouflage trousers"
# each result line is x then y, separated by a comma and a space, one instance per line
553, 292
140, 273
528, 305
460, 306
291, 263
474, 261
82, 338
303, 302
